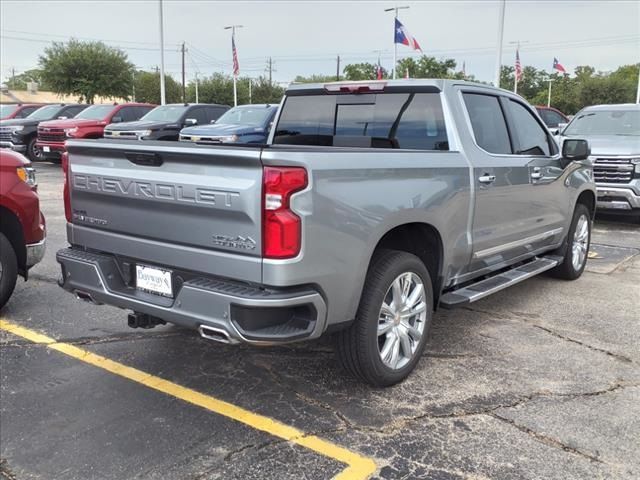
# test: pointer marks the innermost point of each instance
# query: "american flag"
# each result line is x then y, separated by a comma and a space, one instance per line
236, 66
518, 67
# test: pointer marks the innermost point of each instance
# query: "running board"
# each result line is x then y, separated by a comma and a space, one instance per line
486, 287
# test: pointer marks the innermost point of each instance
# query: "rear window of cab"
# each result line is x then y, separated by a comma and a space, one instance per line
412, 121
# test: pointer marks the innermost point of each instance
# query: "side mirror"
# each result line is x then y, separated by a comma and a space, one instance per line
560, 128
574, 149
190, 122
116, 120
212, 122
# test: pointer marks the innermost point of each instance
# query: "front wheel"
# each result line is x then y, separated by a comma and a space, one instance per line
389, 334
8, 270
33, 152
578, 242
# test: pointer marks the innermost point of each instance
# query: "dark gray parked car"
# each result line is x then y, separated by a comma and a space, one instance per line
371, 205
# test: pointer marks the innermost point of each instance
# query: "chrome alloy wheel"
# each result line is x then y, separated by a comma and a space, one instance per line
580, 243
402, 320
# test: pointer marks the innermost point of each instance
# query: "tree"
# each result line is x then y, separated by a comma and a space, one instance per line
86, 69
362, 71
315, 79
20, 81
427, 67
147, 86
265, 92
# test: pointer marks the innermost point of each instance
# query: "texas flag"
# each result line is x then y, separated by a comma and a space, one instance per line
557, 66
403, 36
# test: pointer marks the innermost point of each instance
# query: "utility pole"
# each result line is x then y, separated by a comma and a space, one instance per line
338, 69
235, 61
162, 94
395, 45
638, 90
133, 84
13, 77
270, 67
496, 81
197, 87
184, 89
250, 82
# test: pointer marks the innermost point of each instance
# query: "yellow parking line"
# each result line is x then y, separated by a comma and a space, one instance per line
358, 467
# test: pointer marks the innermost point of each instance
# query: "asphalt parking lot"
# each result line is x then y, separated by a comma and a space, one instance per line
539, 381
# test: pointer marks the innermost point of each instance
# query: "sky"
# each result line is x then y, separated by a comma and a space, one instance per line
305, 37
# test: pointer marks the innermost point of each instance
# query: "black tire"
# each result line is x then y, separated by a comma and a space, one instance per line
33, 152
567, 269
8, 270
357, 347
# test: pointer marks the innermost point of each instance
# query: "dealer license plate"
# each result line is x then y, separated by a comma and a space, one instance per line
154, 280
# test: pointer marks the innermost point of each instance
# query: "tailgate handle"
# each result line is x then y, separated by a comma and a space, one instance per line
144, 158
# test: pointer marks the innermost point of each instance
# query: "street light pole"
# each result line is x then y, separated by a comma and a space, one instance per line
395, 45
496, 81
162, 95
235, 53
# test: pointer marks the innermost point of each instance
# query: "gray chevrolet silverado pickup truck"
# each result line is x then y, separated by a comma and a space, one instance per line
370, 205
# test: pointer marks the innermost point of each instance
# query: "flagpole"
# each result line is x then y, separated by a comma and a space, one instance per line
162, 88
496, 81
235, 76
395, 45
549, 96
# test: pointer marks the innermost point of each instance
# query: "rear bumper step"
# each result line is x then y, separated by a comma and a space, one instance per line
486, 287
238, 312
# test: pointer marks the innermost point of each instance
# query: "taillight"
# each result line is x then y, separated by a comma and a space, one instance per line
355, 87
281, 227
65, 189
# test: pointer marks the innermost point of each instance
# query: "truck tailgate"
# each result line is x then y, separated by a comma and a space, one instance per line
169, 203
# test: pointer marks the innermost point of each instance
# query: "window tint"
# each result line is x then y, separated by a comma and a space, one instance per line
214, 113
532, 137
487, 121
199, 113
142, 111
128, 114
71, 112
385, 120
26, 111
551, 118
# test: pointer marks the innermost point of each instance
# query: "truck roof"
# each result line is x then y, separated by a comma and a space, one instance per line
438, 83
619, 106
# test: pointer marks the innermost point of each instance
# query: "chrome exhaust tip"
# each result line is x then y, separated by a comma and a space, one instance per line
80, 295
215, 334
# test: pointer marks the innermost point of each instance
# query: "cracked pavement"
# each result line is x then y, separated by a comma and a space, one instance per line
538, 381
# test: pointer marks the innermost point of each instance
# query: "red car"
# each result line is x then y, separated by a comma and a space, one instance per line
89, 123
22, 225
552, 117
18, 110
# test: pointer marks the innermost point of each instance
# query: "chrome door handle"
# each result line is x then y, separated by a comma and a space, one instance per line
536, 174
487, 178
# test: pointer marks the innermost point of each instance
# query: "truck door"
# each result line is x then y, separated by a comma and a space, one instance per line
507, 222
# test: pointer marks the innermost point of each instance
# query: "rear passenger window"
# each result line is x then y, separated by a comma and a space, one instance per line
385, 120
488, 123
532, 137
128, 114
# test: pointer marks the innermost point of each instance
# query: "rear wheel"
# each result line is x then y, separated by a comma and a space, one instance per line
578, 242
8, 270
387, 339
33, 152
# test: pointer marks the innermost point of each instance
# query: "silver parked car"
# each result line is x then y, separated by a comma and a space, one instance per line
613, 132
